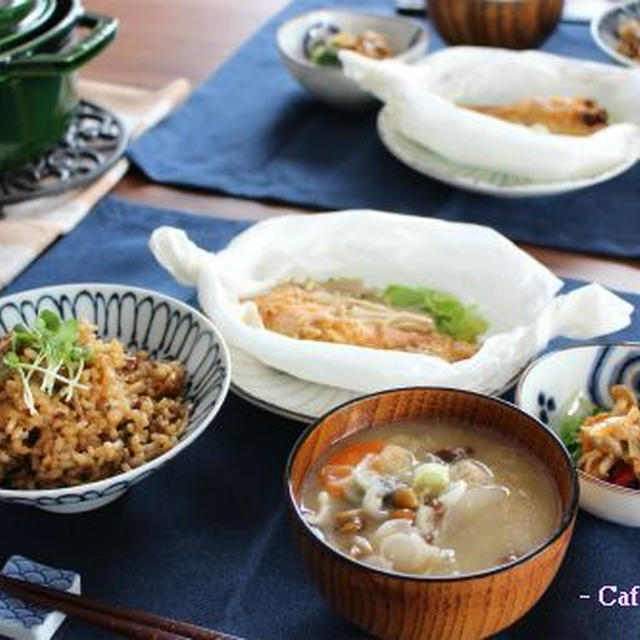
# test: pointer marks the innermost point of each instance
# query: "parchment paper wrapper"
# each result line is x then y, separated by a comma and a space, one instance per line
515, 293
424, 105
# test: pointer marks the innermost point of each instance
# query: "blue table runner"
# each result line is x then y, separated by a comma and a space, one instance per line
206, 538
251, 131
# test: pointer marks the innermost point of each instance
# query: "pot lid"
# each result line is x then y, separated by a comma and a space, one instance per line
21, 19
13, 11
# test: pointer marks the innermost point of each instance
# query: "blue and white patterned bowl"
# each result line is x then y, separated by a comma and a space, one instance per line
551, 383
141, 319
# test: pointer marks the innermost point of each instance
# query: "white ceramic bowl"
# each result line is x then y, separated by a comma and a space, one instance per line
550, 384
329, 84
141, 319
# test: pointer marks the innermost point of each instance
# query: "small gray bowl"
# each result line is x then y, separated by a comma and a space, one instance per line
329, 84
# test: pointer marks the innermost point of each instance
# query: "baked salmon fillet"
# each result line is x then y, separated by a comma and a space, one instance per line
560, 115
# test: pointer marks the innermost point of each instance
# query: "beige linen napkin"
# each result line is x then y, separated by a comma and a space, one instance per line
28, 228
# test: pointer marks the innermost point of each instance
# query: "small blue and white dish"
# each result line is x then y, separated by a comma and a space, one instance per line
604, 29
407, 38
140, 319
550, 385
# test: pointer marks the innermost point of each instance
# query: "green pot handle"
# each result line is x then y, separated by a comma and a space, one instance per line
102, 32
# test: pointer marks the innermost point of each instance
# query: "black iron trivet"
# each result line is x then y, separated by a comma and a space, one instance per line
94, 141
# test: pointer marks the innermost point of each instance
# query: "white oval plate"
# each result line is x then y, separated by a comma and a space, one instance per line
281, 393
476, 179
604, 30
287, 396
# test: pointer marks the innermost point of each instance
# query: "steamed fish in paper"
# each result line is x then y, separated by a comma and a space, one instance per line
399, 318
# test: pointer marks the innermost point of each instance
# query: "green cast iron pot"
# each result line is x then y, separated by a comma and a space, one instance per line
37, 81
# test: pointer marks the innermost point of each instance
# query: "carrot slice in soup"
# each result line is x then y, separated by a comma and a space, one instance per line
352, 454
333, 477
339, 466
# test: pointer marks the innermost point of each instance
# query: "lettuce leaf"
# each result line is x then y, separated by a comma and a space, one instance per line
450, 315
568, 432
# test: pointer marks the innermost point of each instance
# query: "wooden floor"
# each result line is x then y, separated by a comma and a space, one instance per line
160, 40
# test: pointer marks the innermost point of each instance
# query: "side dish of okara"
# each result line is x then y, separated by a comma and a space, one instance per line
75, 409
606, 443
400, 318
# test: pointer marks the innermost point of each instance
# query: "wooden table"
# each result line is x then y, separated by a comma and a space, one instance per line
160, 40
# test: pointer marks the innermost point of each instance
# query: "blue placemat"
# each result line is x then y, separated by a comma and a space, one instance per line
250, 131
206, 538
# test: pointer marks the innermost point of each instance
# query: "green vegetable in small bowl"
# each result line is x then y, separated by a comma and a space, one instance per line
574, 416
325, 56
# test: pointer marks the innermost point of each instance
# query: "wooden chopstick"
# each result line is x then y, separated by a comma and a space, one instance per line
131, 624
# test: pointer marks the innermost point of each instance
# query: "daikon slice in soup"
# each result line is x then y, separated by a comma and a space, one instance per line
431, 498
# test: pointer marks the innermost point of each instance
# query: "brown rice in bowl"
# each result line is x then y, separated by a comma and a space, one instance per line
128, 411
157, 329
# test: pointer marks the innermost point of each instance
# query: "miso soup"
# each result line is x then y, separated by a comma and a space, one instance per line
431, 498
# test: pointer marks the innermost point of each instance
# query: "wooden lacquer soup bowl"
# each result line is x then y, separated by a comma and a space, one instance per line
515, 24
400, 606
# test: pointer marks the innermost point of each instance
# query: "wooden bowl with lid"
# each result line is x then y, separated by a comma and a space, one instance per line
407, 607
513, 24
